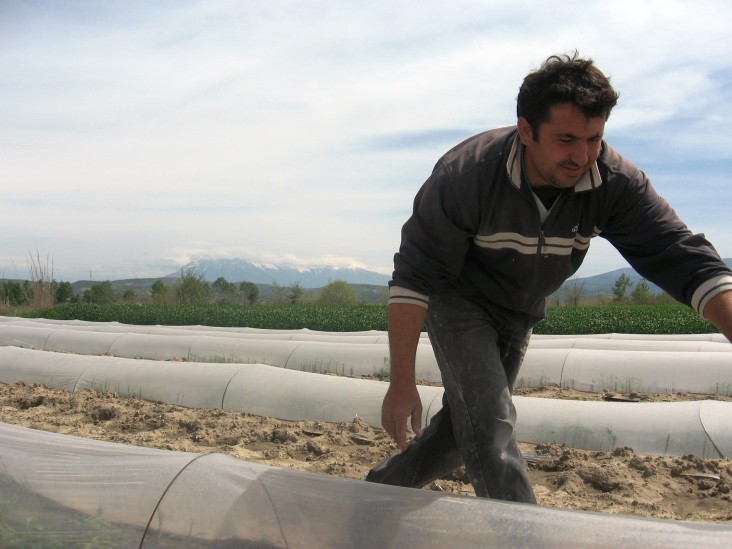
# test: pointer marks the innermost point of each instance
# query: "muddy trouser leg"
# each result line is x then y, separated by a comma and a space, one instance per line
479, 361
427, 457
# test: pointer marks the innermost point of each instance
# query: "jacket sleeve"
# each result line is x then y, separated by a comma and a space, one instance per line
659, 246
435, 240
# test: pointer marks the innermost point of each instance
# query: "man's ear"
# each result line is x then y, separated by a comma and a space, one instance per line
526, 132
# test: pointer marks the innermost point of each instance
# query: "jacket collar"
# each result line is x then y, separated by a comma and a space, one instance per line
591, 180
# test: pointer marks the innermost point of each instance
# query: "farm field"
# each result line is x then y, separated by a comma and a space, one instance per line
617, 482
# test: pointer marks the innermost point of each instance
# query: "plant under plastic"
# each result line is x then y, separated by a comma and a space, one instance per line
697, 365
63, 491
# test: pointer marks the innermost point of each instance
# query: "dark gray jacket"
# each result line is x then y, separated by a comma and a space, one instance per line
475, 230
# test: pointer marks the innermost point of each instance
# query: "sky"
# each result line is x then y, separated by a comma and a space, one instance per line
137, 136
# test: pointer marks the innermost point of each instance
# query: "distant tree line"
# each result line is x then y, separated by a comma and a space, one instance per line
194, 289
15, 293
190, 289
573, 294
624, 292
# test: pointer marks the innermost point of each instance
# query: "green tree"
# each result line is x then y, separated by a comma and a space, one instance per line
129, 295
296, 293
223, 290
64, 292
192, 289
13, 293
621, 287
663, 298
250, 291
338, 292
160, 292
101, 292
641, 294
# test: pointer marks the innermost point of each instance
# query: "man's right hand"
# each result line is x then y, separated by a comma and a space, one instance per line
402, 399
400, 403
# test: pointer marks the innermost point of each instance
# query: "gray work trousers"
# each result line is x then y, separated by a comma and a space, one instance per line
479, 353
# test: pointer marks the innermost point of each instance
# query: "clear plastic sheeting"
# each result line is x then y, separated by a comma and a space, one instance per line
55, 370
665, 428
254, 388
649, 345
630, 365
661, 428
30, 337
648, 372
351, 359
303, 333
72, 492
715, 418
62, 491
596, 370
71, 341
226, 331
185, 384
714, 337
288, 394
199, 386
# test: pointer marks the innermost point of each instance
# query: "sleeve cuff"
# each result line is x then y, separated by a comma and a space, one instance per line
708, 290
397, 294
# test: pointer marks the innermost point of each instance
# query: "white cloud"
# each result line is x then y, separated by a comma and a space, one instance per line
152, 132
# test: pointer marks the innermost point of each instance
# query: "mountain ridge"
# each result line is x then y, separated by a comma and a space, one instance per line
602, 284
237, 271
240, 270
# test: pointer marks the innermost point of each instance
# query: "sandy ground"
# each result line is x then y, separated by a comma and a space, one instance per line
621, 481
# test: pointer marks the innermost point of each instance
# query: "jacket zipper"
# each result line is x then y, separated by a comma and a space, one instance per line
542, 241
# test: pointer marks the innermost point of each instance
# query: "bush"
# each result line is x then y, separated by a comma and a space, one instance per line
101, 292
338, 292
192, 289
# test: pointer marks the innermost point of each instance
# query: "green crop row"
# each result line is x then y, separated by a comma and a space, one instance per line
659, 319
353, 318
328, 318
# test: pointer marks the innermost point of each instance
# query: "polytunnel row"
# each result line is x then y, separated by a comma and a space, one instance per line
86, 493
653, 342
669, 428
165, 499
655, 365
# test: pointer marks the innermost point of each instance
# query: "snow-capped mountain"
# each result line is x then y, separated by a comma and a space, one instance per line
239, 270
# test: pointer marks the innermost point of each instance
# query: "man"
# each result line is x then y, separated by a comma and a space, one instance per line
505, 218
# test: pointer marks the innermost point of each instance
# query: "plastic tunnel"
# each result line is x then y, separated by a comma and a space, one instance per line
57, 490
72, 492
696, 363
667, 428
599, 341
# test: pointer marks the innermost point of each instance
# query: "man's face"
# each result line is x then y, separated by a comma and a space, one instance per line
567, 146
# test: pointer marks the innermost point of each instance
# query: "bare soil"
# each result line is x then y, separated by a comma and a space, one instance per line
622, 481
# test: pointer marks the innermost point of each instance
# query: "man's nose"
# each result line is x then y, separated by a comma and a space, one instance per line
580, 153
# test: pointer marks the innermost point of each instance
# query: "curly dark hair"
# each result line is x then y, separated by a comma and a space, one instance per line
565, 79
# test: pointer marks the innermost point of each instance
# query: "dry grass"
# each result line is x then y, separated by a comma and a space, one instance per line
40, 290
